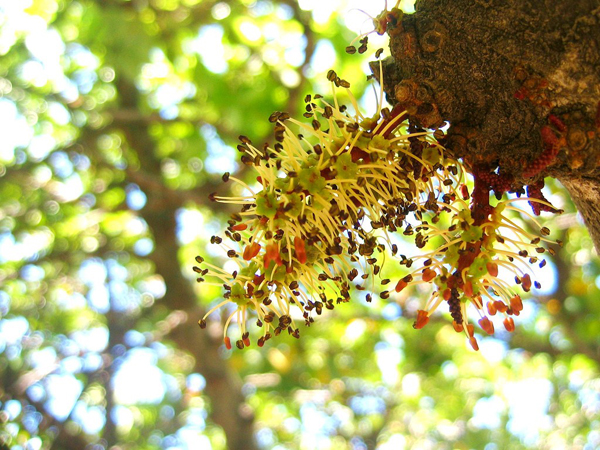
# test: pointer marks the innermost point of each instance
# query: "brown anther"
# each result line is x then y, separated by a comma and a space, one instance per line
526, 282
486, 325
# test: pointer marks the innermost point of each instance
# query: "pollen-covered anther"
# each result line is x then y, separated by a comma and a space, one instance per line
227, 342
470, 329
486, 325
492, 268
246, 339
516, 304
491, 308
428, 275
500, 306
401, 285
422, 319
526, 282
509, 324
458, 327
474, 343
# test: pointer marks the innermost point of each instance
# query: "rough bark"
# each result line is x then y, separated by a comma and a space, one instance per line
514, 79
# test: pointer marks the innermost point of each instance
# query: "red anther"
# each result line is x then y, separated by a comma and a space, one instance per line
447, 294
474, 343
251, 251
470, 329
492, 268
300, 250
516, 304
526, 282
227, 342
486, 325
401, 285
428, 275
264, 220
261, 341
239, 227
468, 289
491, 308
422, 319
500, 306
246, 341
358, 154
509, 324
464, 191
458, 327
557, 123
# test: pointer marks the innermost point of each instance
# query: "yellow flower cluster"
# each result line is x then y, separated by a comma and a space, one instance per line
333, 189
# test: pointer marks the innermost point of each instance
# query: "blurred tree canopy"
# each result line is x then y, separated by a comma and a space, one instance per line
117, 119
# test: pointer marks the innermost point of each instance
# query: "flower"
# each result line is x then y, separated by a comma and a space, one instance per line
332, 191
303, 236
464, 269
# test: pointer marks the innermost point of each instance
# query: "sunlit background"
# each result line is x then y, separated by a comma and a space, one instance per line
117, 118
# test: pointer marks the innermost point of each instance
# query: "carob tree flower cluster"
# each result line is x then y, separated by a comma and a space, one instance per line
332, 194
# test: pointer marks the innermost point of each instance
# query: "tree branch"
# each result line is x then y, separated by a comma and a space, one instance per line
517, 81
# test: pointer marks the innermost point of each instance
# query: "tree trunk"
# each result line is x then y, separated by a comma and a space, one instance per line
518, 81
223, 386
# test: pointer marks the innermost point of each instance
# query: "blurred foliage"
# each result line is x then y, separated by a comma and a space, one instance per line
117, 116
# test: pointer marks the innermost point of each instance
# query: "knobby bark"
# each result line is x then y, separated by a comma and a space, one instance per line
515, 79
